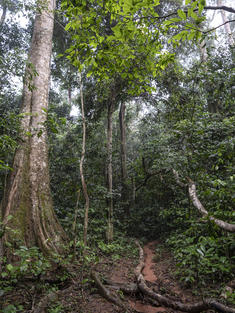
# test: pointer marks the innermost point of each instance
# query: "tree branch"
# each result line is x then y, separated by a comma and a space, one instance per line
197, 203
222, 7
210, 30
178, 179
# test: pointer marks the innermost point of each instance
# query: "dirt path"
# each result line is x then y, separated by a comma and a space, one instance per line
148, 269
149, 275
122, 271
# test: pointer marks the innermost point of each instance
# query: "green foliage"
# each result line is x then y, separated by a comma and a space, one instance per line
124, 38
202, 259
121, 246
9, 128
12, 308
31, 262
9, 137
179, 133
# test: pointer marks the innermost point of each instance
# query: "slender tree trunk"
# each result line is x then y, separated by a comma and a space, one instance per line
123, 156
69, 96
84, 187
28, 199
74, 228
3, 16
203, 52
109, 233
123, 140
212, 105
227, 25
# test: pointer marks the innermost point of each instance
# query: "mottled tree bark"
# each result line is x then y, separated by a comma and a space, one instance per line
28, 198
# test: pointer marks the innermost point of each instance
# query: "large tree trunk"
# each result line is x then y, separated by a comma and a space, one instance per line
109, 233
28, 198
123, 157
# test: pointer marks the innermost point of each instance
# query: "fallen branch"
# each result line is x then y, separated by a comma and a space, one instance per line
176, 305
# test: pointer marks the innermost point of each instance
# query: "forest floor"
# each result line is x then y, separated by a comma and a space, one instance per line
158, 273
80, 295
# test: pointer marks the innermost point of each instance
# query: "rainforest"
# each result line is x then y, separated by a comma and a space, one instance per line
117, 156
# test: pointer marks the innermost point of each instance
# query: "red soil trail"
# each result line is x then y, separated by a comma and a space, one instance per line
149, 276
148, 269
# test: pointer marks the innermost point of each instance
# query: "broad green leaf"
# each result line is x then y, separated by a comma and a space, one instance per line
10, 267
200, 8
182, 14
194, 15
4, 274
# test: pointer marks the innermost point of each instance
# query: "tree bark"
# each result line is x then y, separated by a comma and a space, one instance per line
28, 199
203, 52
109, 233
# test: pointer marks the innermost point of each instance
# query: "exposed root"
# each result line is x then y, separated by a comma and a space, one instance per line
108, 295
140, 286
228, 289
126, 288
45, 302
176, 305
